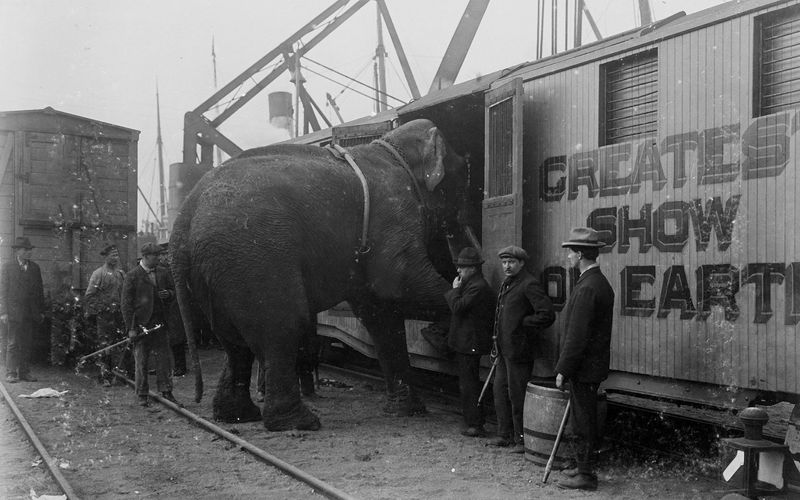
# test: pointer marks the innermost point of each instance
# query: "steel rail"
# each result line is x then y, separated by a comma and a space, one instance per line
48, 459
320, 486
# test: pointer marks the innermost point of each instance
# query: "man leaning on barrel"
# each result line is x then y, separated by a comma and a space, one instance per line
585, 350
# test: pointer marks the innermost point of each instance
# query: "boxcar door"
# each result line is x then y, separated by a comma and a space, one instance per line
502, 202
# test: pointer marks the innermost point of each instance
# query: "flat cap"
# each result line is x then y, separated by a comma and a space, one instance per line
151, 249
108, 249
513, 252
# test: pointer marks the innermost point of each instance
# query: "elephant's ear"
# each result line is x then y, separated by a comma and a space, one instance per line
433, 158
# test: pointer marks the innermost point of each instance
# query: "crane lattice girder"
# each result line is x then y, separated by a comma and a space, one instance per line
196, 124
203, 131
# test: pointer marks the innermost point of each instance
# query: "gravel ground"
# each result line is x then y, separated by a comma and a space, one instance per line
109, 447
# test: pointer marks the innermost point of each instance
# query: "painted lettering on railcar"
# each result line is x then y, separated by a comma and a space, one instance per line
734, 155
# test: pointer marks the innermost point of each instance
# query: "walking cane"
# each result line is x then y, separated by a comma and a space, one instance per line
488, 379
555, 445
495, 357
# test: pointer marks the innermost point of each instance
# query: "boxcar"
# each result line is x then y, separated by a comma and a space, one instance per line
678, 143
69, 185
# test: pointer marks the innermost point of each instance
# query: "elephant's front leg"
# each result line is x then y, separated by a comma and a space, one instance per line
232, 401
387, 329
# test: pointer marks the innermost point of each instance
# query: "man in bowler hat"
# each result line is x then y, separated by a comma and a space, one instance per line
523, 311
146, 294
585, 350
21, 309
472, 303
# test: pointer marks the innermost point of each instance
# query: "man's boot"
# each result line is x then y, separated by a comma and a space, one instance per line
580, 482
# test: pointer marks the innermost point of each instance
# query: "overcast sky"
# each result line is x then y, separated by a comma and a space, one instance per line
102, 58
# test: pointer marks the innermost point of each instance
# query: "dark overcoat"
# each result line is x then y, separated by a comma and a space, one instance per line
139, 296
21, 292
523, 311
585, 346
472, 305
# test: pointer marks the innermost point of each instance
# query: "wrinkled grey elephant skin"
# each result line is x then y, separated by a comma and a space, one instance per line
267, 240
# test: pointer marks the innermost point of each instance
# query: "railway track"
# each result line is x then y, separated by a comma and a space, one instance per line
321, 487
435, 439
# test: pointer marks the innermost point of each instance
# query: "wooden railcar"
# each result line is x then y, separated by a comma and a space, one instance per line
68, 183
678, 142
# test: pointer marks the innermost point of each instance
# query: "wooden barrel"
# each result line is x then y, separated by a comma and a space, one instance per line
543, 411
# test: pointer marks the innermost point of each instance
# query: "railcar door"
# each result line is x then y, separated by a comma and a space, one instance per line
502, 202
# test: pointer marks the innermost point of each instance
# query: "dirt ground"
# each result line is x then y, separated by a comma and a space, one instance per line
108, 447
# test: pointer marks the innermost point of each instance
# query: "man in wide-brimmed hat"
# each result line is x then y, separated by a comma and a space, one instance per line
147, 293
21, 308
471, 301
523, 311
585, 350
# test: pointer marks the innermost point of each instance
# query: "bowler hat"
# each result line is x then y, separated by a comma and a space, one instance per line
583, 237
513, 252
469, 256
22, 242
108, 249
151, 249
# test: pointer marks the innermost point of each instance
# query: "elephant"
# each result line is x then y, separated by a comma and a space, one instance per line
273, 236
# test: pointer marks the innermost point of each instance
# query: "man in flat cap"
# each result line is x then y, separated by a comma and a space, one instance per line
146, 294
523, 311
21, 309
585, 350
103, 295
470, 336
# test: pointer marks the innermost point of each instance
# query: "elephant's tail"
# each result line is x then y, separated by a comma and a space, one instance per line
181, 268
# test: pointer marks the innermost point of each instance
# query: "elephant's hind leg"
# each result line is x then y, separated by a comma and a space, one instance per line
232, 401
283, 409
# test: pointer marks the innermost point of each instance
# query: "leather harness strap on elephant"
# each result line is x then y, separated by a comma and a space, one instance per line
364, 247
427, 215
341, 152
405, 166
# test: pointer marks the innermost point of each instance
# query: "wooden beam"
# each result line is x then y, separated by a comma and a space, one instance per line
456, 52
269, 57
208, 135
5, 154
398, 48
591, 22
275, 73
316, 107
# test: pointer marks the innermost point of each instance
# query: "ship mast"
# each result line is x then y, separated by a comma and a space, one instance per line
163, 226
217, 152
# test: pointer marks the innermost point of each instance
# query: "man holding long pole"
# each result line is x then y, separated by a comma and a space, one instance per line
146, 294
585, 350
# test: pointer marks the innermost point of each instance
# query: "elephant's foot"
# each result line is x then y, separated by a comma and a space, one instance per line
298, 417
404, 402
235, 406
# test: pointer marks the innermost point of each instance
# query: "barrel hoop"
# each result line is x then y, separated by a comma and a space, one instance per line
546, 435
536, 453
547, 392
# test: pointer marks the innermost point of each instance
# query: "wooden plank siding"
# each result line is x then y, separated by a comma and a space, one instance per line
706, 106
66, 175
